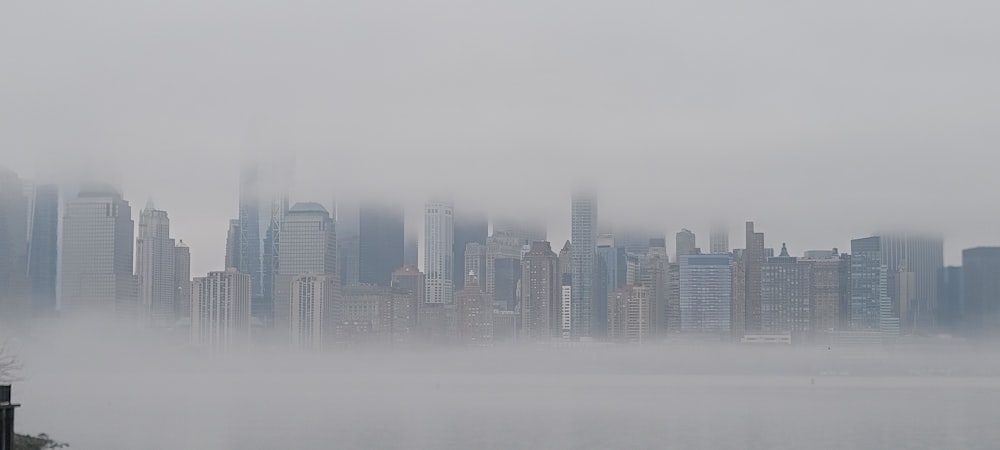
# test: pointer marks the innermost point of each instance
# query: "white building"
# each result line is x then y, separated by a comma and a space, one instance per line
97, 249
706, 290
439, 239
220, 310
155, 268
313, 302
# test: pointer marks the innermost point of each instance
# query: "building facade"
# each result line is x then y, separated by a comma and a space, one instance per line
380, 242
439, 245
706, 288
540, 281
155, 268
584, 260
220, 311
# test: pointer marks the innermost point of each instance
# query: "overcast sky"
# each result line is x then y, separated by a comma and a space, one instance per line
821, 121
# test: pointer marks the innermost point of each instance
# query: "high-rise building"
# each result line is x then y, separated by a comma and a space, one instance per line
308, 247
566, 259
474, 310
786, 296
381, 242
348, 224
654, 275
584, 237
610, 276
411, 247
754, 257
182, 278
871, 307
154, 268
43, 250
706, 288
566, 307
629, 315
502, 272
912, 263
220, 311
312, 310
540, 281
262, 206
828, 290
738, 317
15, 292
718, 239
98, 242
685, 243
233, 245
981, 291
470, 227
949, 312
411, 279
439, 246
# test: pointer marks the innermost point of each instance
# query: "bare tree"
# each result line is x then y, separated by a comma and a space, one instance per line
9, 364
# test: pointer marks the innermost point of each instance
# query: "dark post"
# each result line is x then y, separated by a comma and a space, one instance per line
6, 419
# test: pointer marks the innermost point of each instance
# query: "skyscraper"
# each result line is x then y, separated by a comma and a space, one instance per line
949, 313
525, 230
439, 244
981, 291
154, 268
470, 227
502, 271
786, 296
685, 243
584, 236
629, 315
381, 242
871, 307
262, 206
706, 288
410, 279
233, 245
654, 276
912, 263
312, 310
220, 311
827, 290
43, 250
348, 224
97, 251
540, 291
15, 300
308, 247
474, 310
718, 239
182, 277
610, 276
753, 259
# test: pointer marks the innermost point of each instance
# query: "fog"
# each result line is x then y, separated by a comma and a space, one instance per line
822, 122
138, 390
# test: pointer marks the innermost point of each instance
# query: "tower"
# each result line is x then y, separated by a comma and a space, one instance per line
439, 243
584, 236
155, 267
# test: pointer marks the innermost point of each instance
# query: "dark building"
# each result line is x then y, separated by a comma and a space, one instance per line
753, 260
43, 250
381, 243
469, 228
506, 280
14, 285
6, 419
980, 308
949, 311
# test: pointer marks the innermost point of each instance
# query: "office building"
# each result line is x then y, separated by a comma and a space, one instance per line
949, 312
718, 239
262, 206
308, 247
43, 251
474, 309
470, 227
981, 292
439, 246
828, 290
525, 230
380, 242
540, 290
98, 242
15, 289
154, 268
348, 226
182, 279
584, 237
912, 263
706, 288
871, 307
685, 241
233, 245
313, 310
754, 257
786, 296
630, 315
220, 311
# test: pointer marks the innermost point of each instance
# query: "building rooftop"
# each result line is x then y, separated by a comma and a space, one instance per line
307, 207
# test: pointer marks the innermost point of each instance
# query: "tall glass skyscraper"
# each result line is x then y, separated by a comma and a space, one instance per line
439, 246
308, 247
871, 307
14, 287
584, 261
380, 244
470, 227
97, 250
43, 252
262, 206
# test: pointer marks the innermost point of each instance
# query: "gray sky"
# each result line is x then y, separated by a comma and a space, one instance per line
820, 121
